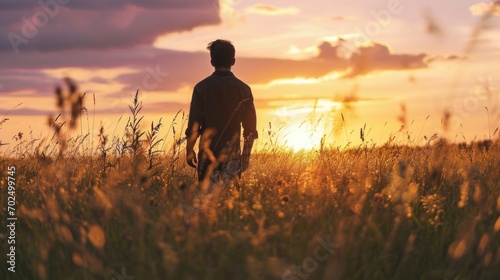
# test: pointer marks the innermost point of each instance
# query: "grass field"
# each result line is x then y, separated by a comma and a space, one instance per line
127, 211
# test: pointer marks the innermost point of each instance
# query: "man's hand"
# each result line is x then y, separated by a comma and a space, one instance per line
191, 158
245, 155
245, 162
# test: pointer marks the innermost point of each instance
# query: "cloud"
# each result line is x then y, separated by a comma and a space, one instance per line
30, 82
147, 69
65, 24
25, 112
378, 57
482, 9
272, 10
450, 57
99, 80
165, 107
330, 52
167, 71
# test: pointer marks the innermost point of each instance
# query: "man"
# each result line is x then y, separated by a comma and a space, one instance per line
220, 105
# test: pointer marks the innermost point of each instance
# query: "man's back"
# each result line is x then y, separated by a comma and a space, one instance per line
220, 105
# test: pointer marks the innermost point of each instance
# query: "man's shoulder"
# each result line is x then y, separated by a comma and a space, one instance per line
202, 85
214, 79
243, 84
203, 81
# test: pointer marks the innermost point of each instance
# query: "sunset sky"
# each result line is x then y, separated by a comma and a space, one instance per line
307, 62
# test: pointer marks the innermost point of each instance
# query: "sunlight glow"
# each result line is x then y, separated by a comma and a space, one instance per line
304, 137
306, 81
308, 134
306, 107
272, 10
336, 38
295, 81
303, 52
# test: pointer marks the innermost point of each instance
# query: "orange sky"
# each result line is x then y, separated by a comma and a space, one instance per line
307, 63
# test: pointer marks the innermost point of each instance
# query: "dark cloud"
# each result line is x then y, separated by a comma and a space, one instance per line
378, 57
107, 4
184, 68
155, 69
364, 60
16, 4
97, 24
166, 70
25, 112
432, 58
155, 108
15, 81
99, 80
331, 53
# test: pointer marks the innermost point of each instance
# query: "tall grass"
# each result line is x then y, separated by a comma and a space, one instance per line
132, 207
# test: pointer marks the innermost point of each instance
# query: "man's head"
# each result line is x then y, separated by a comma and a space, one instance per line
221, 53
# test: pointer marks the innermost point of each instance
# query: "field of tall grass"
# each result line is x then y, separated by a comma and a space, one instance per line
128, 207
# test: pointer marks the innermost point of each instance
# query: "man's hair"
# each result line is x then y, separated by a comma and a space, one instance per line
221, 52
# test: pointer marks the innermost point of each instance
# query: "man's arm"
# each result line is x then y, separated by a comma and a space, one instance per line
247, 150
190, 154
193, 128
249, 122
249, 119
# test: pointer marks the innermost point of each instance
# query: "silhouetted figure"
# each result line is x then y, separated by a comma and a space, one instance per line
220, 105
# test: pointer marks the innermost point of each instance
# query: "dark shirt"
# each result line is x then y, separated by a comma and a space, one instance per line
220, 105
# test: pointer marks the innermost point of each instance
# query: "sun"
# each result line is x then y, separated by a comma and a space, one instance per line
307, 123
303, 137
